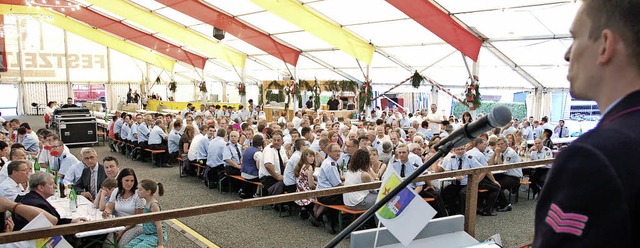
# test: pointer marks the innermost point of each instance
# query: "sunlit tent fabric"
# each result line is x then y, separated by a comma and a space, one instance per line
233, 26
324, 29
120, 29
94, 35
172, 30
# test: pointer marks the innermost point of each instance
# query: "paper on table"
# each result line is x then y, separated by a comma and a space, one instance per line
41, 221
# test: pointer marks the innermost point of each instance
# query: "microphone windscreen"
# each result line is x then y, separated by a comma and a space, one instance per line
499, 116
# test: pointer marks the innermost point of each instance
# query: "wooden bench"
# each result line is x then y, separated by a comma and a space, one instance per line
343, 210
199, 167
239, 178
103, 135
154, 152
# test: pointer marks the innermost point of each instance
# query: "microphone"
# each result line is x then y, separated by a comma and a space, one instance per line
498, 117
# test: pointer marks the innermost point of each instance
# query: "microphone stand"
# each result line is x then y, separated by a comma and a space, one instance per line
442, 150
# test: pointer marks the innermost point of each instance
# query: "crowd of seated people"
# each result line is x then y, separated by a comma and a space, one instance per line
315, 150
26, 191
312, 151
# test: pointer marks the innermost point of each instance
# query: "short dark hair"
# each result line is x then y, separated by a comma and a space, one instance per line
299, 143
25, 125
221, 132
14, 166
619, 16
110, 158
305, 130
258, 140
22, 131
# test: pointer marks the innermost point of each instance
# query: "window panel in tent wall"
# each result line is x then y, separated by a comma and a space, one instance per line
57, 92
32, 92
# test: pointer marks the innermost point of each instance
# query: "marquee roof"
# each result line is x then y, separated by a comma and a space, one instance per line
524, 40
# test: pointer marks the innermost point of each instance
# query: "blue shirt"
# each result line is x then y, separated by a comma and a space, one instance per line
143, 132
478, 156
214, 152
452, 163
65, 162
74, 173
118, 125
156, 136
30, 143
124, 132
289, 176
134, 130
203, 148
230, 152
174, 141
409, 167
427, 133
329, 176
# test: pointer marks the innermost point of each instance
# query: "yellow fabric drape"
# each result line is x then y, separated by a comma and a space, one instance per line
172, 30
94, 35
321, 27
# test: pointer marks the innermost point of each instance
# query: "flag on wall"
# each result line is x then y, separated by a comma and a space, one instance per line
406, 214
375, 103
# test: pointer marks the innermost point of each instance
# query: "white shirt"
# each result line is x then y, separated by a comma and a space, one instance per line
433, 126
296, 122
270, 155
10, 189
545, 153
193, 148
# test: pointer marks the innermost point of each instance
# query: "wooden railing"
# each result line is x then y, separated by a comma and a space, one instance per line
470, 210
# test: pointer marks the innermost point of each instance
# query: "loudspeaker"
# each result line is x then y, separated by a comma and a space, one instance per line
218, 33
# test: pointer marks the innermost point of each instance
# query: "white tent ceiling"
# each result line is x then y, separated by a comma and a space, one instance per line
531, 35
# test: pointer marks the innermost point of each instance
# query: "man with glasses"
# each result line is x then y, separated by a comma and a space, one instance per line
16, 183
351, 148
329, 177
88, 185
63, 159
74, 173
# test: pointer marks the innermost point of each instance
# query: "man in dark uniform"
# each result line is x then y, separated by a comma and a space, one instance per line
592, 194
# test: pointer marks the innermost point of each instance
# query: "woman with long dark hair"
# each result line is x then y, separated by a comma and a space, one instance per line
359, 171
124, 201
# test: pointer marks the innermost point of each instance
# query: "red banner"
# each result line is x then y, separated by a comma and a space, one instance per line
440, 24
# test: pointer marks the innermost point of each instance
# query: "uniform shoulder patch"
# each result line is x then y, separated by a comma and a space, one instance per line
453, 156
470, 157
333, 163
228, 143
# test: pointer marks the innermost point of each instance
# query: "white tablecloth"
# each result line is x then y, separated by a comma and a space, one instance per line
85, 208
